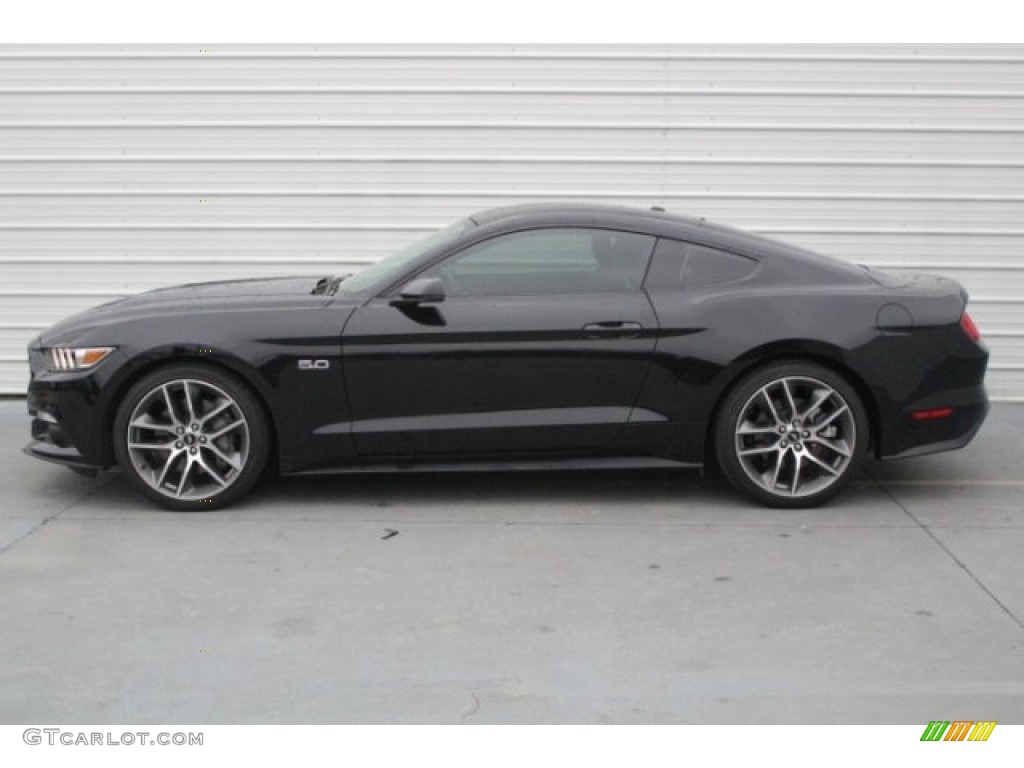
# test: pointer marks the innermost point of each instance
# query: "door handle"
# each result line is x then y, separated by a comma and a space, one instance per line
620, 329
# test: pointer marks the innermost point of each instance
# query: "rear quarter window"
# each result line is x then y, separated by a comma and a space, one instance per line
678, 265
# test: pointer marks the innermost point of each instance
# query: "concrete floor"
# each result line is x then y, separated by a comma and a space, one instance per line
614, 597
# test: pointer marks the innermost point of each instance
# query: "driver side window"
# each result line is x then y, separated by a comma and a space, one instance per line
548, 261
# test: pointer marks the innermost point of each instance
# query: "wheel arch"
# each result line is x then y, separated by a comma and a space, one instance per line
796, 351
157, 359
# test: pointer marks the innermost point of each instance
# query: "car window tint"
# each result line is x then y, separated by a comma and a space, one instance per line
548, 261
677, 265
709, 266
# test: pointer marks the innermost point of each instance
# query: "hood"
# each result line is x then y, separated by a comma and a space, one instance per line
193, 298
228, 289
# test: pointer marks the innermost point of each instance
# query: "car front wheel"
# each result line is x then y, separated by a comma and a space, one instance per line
191, 437
791, 435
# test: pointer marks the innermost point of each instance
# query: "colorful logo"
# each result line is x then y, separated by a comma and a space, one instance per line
958, 730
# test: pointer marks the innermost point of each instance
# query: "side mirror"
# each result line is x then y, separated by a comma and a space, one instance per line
422, 290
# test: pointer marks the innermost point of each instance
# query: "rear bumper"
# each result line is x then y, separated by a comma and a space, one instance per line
957, 431
927, 389
909, 437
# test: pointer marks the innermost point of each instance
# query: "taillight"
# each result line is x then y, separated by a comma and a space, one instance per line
970, 328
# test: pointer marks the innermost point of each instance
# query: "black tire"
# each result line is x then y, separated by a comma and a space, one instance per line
190, 436
775, 446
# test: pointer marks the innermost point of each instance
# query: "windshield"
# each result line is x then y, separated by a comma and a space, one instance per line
392, 266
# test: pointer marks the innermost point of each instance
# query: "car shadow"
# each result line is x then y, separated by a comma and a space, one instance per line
926, 478
624, 487
385, 489
932, 474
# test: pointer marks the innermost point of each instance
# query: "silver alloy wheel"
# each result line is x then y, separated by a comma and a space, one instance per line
188, 439
795, 436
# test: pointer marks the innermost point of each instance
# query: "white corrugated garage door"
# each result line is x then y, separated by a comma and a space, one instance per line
124, 168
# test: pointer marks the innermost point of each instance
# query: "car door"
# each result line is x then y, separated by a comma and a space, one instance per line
539, 346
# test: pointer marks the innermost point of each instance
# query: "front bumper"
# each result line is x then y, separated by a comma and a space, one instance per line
64, 439
67, 455
67, 415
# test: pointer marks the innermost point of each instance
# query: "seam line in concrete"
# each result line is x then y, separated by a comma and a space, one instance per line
54, 516
963, 566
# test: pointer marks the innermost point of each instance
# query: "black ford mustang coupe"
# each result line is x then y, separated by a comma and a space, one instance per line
537, 336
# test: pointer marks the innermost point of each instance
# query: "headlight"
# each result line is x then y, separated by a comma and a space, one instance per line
65, 359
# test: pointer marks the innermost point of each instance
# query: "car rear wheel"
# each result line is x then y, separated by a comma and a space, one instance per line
791, 435
191, 437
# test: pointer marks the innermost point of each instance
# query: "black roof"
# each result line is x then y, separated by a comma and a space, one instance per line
592, 209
